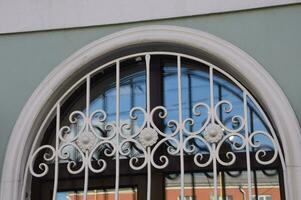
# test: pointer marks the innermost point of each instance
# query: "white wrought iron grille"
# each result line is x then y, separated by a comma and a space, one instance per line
212, 131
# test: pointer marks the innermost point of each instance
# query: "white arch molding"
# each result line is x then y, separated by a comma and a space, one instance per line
254, 76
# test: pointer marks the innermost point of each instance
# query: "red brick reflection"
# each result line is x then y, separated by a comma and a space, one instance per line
124, 195
232, 193
200, 193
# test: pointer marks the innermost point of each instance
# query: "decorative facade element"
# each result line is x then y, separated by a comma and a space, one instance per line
148, 137
178, 138
86, 141
213, 133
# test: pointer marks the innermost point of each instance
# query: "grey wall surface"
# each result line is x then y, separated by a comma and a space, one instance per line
271, 36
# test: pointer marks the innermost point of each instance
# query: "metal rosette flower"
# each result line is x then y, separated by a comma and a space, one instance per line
213, 133
148, 137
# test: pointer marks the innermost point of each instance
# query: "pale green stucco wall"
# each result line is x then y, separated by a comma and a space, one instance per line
271, 36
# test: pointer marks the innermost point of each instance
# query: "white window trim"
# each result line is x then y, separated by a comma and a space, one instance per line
237, 62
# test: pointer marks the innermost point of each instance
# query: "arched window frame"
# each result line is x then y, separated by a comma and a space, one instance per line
236, 62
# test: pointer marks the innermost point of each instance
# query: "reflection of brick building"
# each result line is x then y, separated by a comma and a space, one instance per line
232, 193
231, 186
197, 187
105, 195
200, 193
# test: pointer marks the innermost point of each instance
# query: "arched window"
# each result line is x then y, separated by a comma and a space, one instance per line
156, 125
155, 112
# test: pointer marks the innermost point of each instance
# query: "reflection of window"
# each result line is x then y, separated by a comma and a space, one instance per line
222, 198
186, 198
163, 124
262, 197
125, 194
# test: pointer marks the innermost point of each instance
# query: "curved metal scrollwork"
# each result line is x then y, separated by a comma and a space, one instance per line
261, 152
236, 120
42, 166
94, 140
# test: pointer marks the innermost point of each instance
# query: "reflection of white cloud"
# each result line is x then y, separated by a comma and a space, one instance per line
63, 196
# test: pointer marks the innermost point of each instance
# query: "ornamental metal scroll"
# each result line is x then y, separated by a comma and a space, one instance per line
148, 138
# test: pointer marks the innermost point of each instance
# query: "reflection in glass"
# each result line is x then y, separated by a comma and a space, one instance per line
232, 185
108, 194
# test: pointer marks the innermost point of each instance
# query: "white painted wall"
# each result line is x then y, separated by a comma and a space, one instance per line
33, 15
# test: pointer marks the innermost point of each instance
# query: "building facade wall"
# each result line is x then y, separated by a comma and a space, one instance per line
35, 15
269, 35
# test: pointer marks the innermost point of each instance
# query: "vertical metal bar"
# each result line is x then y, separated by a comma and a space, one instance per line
88, 96
149, 174
117, 128
247, 145
147, 60
105, 104
85, 160
251, 115
180, 123
132, 104
211, 94
149, 170
212, 121
221, 174
189, 98
56, 161
214, 171
190, 127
